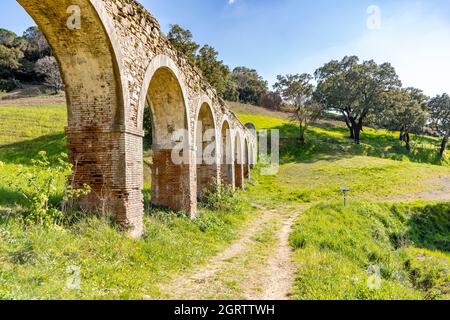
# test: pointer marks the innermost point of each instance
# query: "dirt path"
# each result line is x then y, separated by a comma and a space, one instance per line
281, 269
31, 96
257, 266
438, 190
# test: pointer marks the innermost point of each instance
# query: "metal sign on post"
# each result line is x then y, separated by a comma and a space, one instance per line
345, 190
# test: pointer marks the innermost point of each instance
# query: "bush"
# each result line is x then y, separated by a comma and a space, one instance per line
40, 183
48, 68
270, 100
9, 85
220, 198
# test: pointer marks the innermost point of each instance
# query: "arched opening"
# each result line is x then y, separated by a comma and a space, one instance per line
206, 150
246, 160
238, 163
170, 172
252, 128
96, 100
227, 155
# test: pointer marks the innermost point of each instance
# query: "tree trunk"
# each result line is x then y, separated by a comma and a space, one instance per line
350, 128
352, 133
407, 140
360, 129
302, 139
357, 131
302, 134
443, 147
402, 135
357, 127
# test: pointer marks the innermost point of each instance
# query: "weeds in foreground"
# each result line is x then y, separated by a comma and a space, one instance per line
219, 197
39, 183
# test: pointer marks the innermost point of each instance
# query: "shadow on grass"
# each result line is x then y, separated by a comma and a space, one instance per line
23, 152
331, 143
429, 227
8, 197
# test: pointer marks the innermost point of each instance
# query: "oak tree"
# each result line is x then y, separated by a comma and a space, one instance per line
439, 108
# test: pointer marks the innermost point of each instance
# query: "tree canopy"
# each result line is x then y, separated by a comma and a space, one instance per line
354, 89
19, 56
404, 110
297, 91
250, 85
439, 108
214, 70
243, 84
183, 41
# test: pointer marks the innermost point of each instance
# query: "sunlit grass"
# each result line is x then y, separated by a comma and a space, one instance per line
34, 260
19, 123
340, 250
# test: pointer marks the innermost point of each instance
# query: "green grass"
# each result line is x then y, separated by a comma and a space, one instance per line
369, 179
334, 247
34, 260
329, 139
24, 131
18, 123
338, 250
316, 171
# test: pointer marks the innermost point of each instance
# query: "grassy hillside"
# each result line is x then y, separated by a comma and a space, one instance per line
403, 251
22, 123
246, 109
375, 248
337, 250
36, 262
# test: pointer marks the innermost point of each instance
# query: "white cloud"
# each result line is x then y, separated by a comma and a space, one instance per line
231, 2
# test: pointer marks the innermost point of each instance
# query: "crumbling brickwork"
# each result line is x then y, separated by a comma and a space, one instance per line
114, 65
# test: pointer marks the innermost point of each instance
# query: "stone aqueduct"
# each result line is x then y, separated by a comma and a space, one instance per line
114, 65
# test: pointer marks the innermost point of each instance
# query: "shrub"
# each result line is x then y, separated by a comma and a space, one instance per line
210, 223
9, 85
220, 198
40, 184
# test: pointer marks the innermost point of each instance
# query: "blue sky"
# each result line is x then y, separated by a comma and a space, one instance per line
296, 36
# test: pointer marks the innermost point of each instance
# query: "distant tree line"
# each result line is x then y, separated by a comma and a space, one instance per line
362, 93
27, 59
241, 84
365, 93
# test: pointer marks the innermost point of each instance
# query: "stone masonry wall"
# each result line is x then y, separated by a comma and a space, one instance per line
105, 66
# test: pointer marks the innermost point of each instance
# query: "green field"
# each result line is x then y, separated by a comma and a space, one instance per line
337, 250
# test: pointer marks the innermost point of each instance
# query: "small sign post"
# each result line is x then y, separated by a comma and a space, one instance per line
345, 190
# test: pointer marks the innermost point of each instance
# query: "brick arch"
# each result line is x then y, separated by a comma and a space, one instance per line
108, 67
205, 103
206, 145
226, 153
161, 62
171, 168
251, 128
90, 60
97, 95
168, 109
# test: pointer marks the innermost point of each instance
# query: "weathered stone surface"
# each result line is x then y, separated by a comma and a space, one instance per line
117, 63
